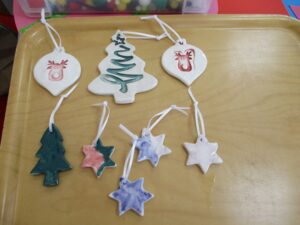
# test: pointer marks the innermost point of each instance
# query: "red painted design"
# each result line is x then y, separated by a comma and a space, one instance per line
185, 59
56, 70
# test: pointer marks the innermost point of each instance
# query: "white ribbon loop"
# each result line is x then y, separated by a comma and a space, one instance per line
51, 120
165, 28
130, 156
163, 114
128, 132
139, 35
198, 117
50, 29
103, 120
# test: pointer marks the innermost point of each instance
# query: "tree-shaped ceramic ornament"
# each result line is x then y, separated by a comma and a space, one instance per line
122, 73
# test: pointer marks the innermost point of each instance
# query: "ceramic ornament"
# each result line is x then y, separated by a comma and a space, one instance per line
57, 70
131, 194
51, 154
122, 73
152, 147
98, 156
202, 153
183, 61
51, 157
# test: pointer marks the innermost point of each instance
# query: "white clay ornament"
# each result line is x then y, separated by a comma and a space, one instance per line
122, 73
202, 153
152, 147
183, 61
57, 70
131, 195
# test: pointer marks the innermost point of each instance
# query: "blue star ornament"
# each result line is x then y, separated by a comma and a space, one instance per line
151, 147
131, 195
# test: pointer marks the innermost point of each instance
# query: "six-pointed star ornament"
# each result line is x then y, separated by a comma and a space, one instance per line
98, 157
151, 147
202, 153
131, 195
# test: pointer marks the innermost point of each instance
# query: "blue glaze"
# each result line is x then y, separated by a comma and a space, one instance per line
131, 195
147, 149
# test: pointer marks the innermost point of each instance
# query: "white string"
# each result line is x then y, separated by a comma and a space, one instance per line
165, 28
163, 114
50, 29
130, 156
103, 120
198, 117
51, 120
139, 35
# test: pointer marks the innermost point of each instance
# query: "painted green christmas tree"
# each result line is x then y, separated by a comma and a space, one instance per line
51, 157
122, 72
122, 64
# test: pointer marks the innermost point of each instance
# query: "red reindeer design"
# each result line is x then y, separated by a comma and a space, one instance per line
56, 70
185, 59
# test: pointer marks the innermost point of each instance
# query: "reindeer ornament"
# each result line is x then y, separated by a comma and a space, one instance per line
57, 70
184, 61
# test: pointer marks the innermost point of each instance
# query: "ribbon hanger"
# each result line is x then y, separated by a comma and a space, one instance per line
103, 121
51, 30
51, 120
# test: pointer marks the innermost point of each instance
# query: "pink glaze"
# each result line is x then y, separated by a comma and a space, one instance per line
93, 158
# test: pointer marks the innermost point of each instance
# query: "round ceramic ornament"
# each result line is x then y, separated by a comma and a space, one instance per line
184, 61
57, 70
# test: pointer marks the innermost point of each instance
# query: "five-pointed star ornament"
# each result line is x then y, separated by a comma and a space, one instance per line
131, 195
151, 147
202, 153
98, 157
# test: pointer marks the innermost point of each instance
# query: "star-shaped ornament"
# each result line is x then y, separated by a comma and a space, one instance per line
202, 153
131, 195
98, 157
151, 147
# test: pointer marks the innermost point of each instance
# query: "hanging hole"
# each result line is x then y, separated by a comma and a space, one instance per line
181, 41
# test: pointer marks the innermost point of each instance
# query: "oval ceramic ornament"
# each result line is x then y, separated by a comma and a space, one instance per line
184, 61
57, 71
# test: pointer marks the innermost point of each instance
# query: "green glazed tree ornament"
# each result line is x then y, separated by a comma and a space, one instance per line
51, 154
51, 157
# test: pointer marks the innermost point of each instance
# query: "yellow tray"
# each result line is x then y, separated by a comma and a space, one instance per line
250, 98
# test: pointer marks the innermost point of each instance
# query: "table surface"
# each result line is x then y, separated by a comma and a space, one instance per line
249, 96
